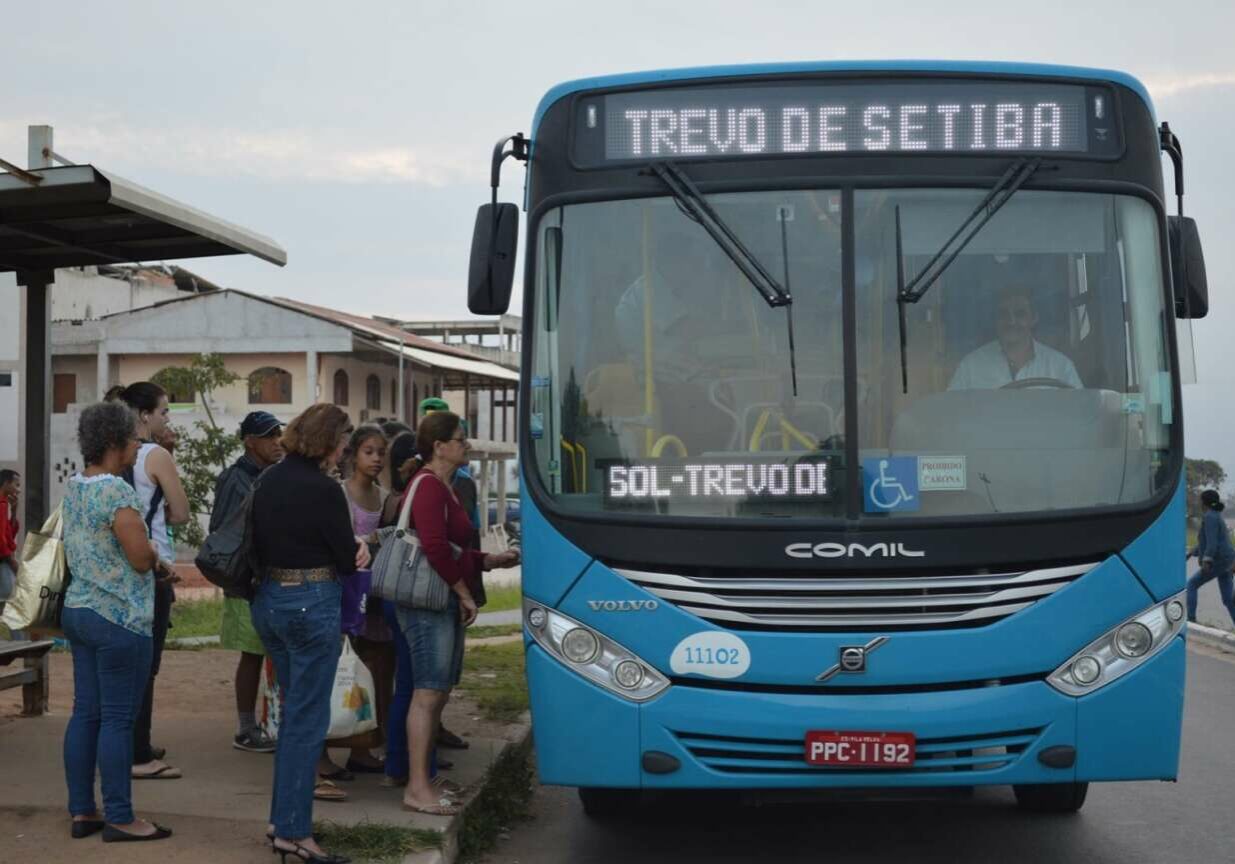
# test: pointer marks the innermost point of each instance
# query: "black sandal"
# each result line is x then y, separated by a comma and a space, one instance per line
307, 855
115, 835
341, 775
83, 828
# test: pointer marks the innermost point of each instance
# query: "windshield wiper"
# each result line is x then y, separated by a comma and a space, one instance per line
696, 207
915, 289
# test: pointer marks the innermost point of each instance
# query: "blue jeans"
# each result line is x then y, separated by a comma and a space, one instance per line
110, 668
398, 763
299, 625
1221, 572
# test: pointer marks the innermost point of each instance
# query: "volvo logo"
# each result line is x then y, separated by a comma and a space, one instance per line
851, 550
623, 605
852, 659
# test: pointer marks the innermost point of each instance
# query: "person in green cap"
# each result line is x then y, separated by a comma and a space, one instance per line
465, 488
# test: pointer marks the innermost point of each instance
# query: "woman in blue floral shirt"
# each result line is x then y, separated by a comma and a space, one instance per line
108, 612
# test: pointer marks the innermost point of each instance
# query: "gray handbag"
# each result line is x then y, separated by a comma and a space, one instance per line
402, 573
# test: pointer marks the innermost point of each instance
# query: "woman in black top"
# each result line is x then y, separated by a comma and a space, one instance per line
303, 537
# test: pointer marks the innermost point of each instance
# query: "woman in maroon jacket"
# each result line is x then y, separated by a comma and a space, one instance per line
435, 639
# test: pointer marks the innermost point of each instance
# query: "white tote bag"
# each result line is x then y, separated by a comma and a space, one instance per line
353, 709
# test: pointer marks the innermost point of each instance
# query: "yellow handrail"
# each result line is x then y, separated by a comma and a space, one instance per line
664, 441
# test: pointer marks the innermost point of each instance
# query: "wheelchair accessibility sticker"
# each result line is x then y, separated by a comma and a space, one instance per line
890, 483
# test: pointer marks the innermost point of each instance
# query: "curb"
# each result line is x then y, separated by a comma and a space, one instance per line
1223, 640
449, 851
192, 641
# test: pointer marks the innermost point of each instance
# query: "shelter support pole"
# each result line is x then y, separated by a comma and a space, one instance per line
505, 413
37, 473
467, 402
501, 492
492, 434
482, 489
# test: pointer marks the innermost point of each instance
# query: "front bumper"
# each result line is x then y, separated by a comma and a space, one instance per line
748, 739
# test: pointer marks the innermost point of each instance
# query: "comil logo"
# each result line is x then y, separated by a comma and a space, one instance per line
851, 550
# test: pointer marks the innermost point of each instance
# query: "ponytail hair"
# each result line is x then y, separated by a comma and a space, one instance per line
142, 396
434, 427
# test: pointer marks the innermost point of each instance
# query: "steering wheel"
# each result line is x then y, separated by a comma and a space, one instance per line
1026, 383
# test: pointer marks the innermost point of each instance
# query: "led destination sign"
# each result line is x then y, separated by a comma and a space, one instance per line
717, 480
945, 116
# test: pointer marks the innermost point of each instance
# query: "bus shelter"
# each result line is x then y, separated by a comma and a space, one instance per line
59, 214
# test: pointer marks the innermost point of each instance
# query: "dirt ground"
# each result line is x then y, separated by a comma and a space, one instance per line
218, 811
193, 683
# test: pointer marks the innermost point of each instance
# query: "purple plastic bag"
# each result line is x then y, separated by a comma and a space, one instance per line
355, 593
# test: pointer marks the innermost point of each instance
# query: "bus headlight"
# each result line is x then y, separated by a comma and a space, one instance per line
1119, 650
593, 655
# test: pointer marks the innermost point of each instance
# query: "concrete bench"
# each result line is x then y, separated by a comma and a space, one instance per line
32, 676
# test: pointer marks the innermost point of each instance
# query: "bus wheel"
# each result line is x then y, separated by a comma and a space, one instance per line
1051, 797
608, 803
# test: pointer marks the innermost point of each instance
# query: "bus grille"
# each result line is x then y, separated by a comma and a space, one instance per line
846, 603
986, 752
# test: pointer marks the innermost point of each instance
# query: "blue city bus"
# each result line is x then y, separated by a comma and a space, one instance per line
850, 428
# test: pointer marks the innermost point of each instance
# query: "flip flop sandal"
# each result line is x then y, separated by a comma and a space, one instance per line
341, 775
444, 807
451, 741
445, 785
327, 791
167, 772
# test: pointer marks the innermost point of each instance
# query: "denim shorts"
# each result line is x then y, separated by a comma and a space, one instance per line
436, 643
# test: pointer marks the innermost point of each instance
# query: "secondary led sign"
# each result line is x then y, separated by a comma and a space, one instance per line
836, 117
663, 480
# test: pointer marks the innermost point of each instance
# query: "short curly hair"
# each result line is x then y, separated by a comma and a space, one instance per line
102, 427
316, 431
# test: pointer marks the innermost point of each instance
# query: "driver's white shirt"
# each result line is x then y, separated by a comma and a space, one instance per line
987, 368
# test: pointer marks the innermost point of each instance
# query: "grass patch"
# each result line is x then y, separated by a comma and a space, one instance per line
196, 618
502, 803
502, 598
493, 676
480, 631
375, 841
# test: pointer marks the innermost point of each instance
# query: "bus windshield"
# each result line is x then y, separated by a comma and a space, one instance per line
1038, 374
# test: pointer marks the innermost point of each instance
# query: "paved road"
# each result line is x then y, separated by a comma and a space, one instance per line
1128, 823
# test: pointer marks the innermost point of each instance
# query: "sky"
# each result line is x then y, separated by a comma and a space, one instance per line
358, 135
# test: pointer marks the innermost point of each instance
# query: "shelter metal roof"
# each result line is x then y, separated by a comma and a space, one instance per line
460, 366
79, 215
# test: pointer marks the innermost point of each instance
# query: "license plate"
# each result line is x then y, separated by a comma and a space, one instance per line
860, 749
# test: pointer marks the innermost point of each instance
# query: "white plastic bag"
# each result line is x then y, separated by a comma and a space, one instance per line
269, 702
352, 710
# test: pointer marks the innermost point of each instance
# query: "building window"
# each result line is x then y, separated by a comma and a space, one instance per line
270, 386
178, 390
373, 393
340, 387
64, 392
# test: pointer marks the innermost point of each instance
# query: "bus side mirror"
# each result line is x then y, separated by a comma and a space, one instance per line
1187, 268
492, 271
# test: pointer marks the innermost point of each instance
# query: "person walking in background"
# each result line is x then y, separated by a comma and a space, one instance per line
165, 503
10, 527
302, 532
1216, 554
260, 431
436, 638
108, 621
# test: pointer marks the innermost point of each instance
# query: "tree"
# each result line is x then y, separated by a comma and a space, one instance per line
205, 451
1201, 474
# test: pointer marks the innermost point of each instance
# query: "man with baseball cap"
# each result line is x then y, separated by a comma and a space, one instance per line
260, 431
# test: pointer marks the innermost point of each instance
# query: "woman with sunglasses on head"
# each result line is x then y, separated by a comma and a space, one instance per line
302, 533
435, 639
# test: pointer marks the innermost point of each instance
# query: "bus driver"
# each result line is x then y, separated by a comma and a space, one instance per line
1014, 355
